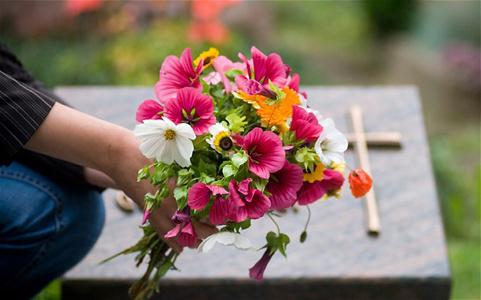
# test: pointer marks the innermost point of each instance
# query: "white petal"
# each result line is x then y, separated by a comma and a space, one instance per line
207, 244
168, 123
145, 130
167, 154
337, 142
242, 243
185, 130
328, 123
181, 160
226, 238
151, 147
335, 157
184, 147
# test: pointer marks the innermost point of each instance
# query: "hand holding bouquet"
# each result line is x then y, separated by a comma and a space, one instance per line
232, 142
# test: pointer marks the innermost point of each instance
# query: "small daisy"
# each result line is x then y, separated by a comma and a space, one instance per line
220, 140
165, 141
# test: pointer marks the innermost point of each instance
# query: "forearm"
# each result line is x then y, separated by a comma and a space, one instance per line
79, 138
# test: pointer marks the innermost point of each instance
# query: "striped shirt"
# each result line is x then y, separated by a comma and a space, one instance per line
24, 105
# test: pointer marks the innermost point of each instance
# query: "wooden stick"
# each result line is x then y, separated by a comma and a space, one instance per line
378, 139
373, 224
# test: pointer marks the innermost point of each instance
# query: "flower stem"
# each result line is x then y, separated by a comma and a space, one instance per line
275, 223
308, 217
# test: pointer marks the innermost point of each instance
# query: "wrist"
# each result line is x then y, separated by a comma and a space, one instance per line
125, 160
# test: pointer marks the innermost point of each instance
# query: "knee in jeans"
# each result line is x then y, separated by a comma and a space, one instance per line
84, 217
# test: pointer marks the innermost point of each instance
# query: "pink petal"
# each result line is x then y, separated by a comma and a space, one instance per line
284, 185
234, 195
217, 190
310, 192
173, 232
198, 195
257, 271
187, 237
259, 206
149, 109
219, 211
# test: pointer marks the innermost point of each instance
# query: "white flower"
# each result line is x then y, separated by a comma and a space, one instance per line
220, 137
165, 141
331, 144
225, 238
213, 78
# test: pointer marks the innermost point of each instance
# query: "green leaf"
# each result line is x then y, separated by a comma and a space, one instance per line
279, 93
143, 173
283, 240
260, 184
236, 122
239, 159
231, 74
180, 195
229, 170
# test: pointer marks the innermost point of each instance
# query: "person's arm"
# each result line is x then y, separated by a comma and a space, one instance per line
76, 137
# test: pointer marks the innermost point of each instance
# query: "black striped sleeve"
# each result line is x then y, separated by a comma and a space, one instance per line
22, 111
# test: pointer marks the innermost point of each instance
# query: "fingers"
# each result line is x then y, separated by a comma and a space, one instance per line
204, 230
162, 225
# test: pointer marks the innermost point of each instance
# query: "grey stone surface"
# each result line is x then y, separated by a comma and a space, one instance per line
410, 248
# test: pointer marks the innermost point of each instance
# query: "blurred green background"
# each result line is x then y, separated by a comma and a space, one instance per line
434, 45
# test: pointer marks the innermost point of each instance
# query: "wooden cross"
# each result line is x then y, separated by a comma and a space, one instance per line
361, 140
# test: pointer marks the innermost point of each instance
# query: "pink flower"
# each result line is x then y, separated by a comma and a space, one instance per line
146, 216
311, 192
183, 230
293, 83
222, 64
305, 125
247, 202
257, 271
175, 74
284, 184
191, 107
199, 195
261, 69
265, 151
149, 110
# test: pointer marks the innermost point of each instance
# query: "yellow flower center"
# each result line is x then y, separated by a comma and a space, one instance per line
169, 134
317, 175
219, 138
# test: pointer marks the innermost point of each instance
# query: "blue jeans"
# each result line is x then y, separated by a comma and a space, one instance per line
46, 228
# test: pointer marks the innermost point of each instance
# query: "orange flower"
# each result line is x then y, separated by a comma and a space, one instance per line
273, 112
360, 183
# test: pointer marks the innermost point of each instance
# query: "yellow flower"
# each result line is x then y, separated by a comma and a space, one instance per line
207, 56
317, 175
220, 139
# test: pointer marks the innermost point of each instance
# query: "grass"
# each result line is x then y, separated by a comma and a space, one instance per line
465, 267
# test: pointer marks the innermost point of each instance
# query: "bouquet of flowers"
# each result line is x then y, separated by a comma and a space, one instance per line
232, 142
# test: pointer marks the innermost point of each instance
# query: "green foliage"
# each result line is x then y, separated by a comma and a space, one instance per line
458, 180
236, 122
237, 227
277, 242
465, 257
307, 157
389, 16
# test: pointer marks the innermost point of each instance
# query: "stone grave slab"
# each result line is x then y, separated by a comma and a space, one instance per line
407, 260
